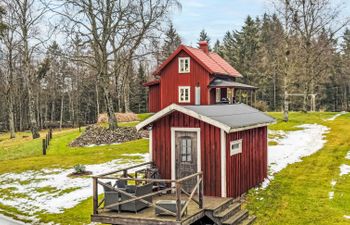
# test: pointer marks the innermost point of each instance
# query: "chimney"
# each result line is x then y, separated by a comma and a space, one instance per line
203, 45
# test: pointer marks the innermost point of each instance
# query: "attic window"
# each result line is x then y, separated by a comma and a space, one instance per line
235, 147
184, 64
184, 94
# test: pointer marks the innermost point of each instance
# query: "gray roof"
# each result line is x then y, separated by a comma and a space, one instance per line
235, 116
222, 82
230, 118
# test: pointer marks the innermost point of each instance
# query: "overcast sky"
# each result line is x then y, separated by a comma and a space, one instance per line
219, 16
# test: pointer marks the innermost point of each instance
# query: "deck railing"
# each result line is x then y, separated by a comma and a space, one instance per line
170, 186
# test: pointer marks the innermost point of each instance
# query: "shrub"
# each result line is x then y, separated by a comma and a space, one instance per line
79, 168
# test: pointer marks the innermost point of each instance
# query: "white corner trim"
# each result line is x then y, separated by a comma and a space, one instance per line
173, 148
150, 147
223, 164
184, 110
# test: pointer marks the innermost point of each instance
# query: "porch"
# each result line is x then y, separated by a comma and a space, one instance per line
228, 91
188, 207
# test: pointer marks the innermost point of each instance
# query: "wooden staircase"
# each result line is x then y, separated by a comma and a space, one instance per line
230, 213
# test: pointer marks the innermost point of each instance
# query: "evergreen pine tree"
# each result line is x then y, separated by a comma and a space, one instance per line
2, 24
203, 36
171, 42
138, 97
218, 48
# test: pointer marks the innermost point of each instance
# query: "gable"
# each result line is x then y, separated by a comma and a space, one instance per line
211, 62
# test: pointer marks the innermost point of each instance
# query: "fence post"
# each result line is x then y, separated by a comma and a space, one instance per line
178, 201
50, 132
44, 147
95, 195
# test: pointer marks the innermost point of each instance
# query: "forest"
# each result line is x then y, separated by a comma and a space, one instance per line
64, 62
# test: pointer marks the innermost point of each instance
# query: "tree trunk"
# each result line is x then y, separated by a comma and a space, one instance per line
97, 99
31, 110
112, 121
53, 109
126, 97
11, 117
61, 112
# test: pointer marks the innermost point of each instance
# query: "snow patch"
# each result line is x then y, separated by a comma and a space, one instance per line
331, 195
58, 191
348, 156
293, 146
4, 220
336, 116
333, 183
344, 169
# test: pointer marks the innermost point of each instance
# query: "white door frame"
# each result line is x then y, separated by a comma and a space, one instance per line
173, 148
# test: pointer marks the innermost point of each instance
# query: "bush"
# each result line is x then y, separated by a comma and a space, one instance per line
79, 168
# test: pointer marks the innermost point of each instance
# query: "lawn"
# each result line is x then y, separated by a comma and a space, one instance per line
25, 154
297, 195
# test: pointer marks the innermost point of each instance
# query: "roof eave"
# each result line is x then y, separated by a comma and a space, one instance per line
232, 130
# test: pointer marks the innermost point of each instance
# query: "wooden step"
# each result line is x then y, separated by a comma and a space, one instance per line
228, 212
248, 221
223, 206
236, 218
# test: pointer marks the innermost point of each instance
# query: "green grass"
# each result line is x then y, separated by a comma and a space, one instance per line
299, 193
23, 153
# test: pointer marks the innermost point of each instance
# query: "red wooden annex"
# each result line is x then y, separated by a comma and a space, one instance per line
228, 143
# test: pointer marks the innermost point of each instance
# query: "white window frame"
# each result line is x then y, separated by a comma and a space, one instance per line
182, 63
189, 94
238, 150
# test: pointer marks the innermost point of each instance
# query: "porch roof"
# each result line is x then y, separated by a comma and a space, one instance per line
231, 118
227, 83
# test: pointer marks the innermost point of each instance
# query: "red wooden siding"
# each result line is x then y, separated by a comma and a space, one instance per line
171, 79
154, 98
248, 169
210, 149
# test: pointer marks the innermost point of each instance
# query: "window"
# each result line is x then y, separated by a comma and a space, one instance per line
186, 149
235, 147
184, 94
184, 64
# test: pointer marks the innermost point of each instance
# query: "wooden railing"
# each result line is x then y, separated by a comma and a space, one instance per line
172, 186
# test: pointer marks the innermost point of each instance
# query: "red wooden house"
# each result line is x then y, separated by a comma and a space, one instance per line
195, 76
194, 131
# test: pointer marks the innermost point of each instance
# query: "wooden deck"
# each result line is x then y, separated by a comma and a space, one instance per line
147, 216
190, 206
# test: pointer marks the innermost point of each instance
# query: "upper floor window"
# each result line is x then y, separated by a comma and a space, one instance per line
184, 64
184, 94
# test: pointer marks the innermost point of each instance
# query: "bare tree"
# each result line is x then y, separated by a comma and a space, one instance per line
112, 28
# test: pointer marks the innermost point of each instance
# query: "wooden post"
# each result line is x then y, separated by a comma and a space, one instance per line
44, 147
50, 133
95, 195
200, 194
178, 201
